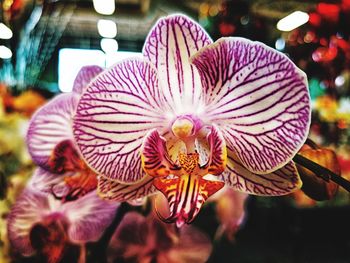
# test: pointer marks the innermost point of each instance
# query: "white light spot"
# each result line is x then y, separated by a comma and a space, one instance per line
107, 28
339, 81
70, 61
280, 44
244, 20
109, 45
5, 32
344, 106
104, 7
5, 52
292, 21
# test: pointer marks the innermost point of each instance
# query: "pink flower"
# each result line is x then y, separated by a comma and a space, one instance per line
234, 109
230, 211
39, 222
146, 239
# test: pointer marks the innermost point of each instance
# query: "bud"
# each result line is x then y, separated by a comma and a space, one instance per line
313, 185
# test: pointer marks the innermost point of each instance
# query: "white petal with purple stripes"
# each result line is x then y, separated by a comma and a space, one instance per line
43, 181
89, 216
280, 182
111, 190
258, 98
85, 75
115, 112
50, 125
30, 208
169, 45
51, 183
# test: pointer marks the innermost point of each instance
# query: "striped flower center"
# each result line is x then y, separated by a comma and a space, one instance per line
186, 190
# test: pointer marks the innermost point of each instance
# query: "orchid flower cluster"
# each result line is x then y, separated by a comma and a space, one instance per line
190, 118
58, 208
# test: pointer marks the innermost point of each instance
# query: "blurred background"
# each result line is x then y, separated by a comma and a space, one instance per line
43, 44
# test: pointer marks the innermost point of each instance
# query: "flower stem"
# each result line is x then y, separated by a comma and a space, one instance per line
322, 172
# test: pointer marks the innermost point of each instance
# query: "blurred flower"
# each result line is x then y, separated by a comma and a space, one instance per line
230, 211
4, 244
6, 99
344, 160
28, 102
324, 54
142, 239
235, 109
39, 222
313, 186
12, 143
51, 144
302, 200
327, 107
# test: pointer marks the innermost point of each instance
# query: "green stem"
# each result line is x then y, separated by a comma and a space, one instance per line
322, 172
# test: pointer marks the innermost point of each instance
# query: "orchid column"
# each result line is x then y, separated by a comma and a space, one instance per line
192, 116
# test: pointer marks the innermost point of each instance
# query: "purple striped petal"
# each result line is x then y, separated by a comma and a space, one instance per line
258, 98
155, 158
50, 183
114, 114
140, 239
218, 154
49, 126
280, 182
89, 216
44, 181
112, 190
85, 75
29, 209
169, 45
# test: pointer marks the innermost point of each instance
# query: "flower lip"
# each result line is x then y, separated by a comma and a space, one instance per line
185, 126
55, 222
55, 216
49, 237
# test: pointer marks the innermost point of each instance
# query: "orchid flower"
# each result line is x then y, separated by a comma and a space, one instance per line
318, 186
39, 222
192, 110
51, 144
230, 211
146, 239
50, 139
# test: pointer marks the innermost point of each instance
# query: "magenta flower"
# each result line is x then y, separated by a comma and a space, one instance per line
39, 222
234, 109
51, 144
230, 211
146, 239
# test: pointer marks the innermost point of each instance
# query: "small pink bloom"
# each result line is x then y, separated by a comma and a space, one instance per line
230, 211
147, 239
39, 222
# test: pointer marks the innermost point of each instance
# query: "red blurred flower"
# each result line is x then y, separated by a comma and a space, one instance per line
146, 239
